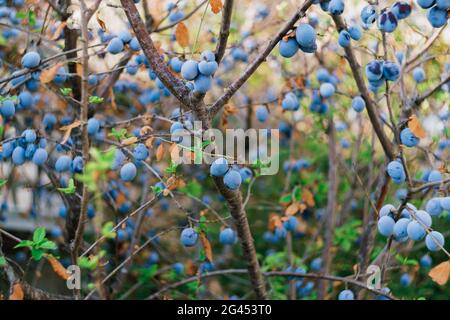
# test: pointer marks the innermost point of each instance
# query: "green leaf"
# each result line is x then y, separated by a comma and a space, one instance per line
47, 244
2, 261
107, 230
38, 235
286, 199
24, 243
118, 134
37, 254
3, 182
172, 168
88, 263
66, 91
95, 99
69, 189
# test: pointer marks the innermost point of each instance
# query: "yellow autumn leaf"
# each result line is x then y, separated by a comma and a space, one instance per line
182, 35
68, 130
57, 267
206, 246
440, 273
49, 74
415, 127
216, 6
129, 141
17, 293
308, 198
160, 152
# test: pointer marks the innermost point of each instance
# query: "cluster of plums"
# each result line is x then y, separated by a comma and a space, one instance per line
412, 223
200, 73
189, 237
305, 40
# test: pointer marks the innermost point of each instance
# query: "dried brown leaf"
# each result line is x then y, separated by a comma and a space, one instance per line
57, 267
17, 293
160, 152
206, 246
216, 6
49, 74
182, 35
415, 127
440, 273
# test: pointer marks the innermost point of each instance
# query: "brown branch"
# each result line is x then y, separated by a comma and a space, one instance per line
173, 84
370, 105
418, 101
234, 200
331, 206
425, 47
269, 274
84, 135
234, 87
224, 30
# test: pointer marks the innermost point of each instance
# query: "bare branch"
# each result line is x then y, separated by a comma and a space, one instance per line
224, 30
371, 110
175, 85
234, 87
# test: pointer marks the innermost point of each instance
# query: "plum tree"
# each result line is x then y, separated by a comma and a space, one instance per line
109, 133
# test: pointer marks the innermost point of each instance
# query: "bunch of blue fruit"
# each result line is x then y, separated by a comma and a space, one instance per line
200, 73
305, 40
379, 71
387, 19
437, 11
414, 224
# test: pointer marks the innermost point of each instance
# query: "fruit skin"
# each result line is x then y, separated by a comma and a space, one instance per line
426, 261
18, 156
207, 68
425, 4
386, 226
290, 102
115, 46
63, 164
288, 48
305, 35
395, 170
134, 44
262, 114
29, 135
189, 70
40, 156
128, 171
92, 80
408, 138
432, 238
327, 90
176, 64
358, 104
232, 179
346, 295
387, 22
401, 9
202, 83
369, 14
140, 152
355, 32
77, 164
387, 210
219, 167
316, 264
435, 176
443, 4
433, 206
423, 217
374, 70
344, 38
7, 108
437, 17
188, 237
93, 125
208, 56
445, 203
405, 280
400, 229
227, 236
418, 74
31, 60
246, 174
415, 231
391, 71
336, 7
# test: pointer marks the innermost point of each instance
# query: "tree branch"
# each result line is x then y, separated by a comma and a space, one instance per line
370, 105
173, 84
269, 274
234, 87
234, 200
224, 30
